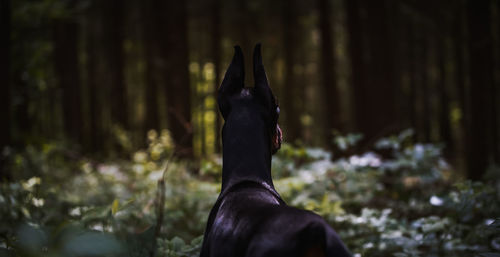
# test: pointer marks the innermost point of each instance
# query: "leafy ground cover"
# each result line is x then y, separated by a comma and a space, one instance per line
400, 199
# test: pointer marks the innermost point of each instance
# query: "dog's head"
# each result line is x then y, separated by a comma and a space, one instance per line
258, 102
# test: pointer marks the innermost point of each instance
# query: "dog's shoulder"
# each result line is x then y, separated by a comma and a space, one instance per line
236, 217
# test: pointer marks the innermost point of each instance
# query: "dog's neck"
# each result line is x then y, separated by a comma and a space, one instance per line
246, 153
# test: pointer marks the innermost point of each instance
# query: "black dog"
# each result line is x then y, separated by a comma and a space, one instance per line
250, 218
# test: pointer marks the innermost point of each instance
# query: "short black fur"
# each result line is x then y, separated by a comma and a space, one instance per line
249, 218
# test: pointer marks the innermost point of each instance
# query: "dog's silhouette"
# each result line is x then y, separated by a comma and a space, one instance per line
250, 218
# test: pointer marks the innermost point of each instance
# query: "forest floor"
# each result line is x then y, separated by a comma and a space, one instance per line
407, 204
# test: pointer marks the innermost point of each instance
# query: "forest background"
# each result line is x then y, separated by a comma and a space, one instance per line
389, 111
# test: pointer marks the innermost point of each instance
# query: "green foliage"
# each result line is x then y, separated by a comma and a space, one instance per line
176, 247
345, 142
401, 204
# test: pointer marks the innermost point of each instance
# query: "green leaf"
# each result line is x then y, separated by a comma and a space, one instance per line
114, 206
126, 204
177, 243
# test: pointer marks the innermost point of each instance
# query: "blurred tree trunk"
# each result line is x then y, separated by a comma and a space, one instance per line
149, 26
460, 76
425, 116
458, 38
5, 136
200, 94
413, 73
290, 97
328, 72
113, 32
379, 115
96, 137
356, 53
178, 92
372, 62
479, 136
66, 33
22, 127
444, 99
216, 58
5, 74
496, 89
398, 33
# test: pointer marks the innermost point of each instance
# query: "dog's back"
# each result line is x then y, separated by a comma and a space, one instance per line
253, 221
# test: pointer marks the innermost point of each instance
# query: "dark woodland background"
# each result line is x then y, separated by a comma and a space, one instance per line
100, 74
109, 132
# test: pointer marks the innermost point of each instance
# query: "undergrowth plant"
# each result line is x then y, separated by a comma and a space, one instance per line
394, 200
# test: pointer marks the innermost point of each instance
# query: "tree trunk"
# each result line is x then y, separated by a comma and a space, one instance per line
149, 29
356, 53
5, 136
328, 73
460, 78
5, 72
67, 71
96, 130
372, 68
178, 94
444, 110
425, 97
496, 90
379, 115
479, 134
413, 73
216, 58
290, 98
113, 29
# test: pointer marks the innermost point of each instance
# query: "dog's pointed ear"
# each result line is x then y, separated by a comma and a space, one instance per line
233, 81
261, 84
266, 97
